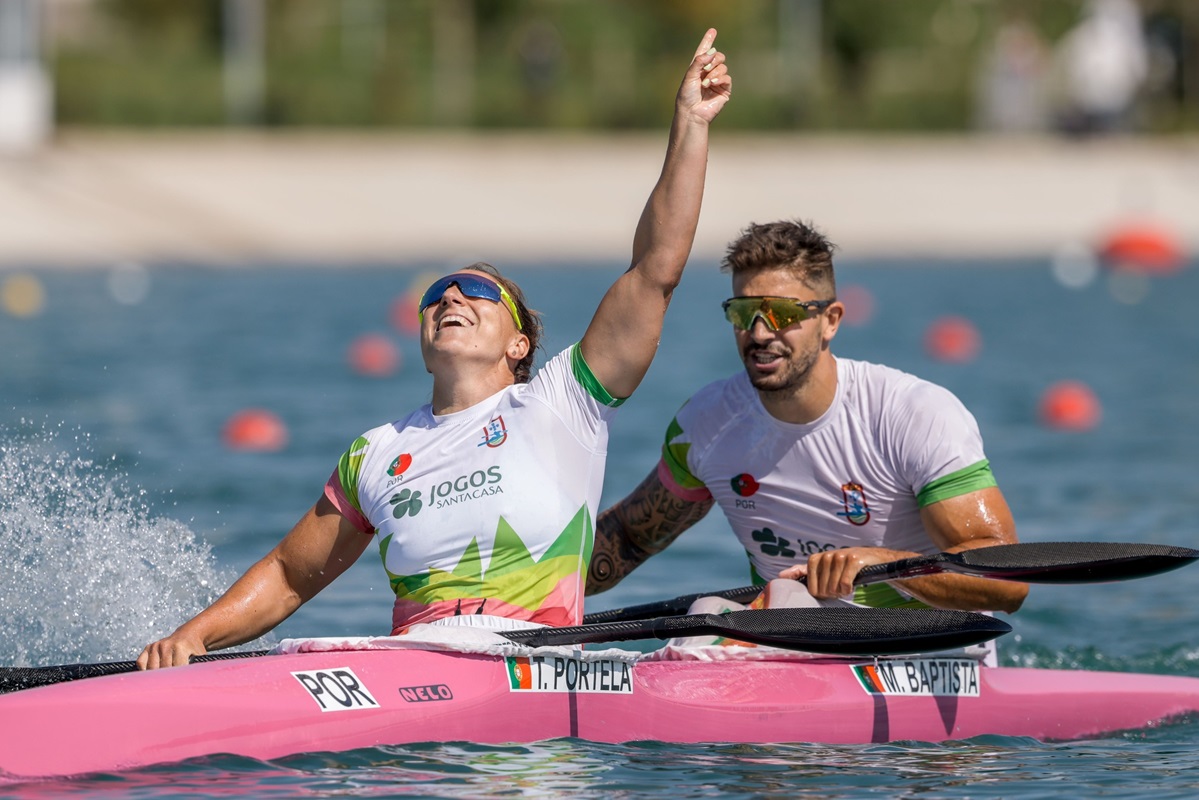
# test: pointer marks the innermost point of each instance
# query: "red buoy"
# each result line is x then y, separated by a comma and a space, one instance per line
859, 304
1142, 247
374, 355
405, 316
254, 429
1070, 405
952, 339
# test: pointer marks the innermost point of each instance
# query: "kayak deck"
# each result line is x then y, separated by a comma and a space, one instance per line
278, 705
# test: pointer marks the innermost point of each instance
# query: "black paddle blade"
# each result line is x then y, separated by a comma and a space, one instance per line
1071, 562
833, 631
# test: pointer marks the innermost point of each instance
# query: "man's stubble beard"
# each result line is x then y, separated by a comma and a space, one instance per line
790, 379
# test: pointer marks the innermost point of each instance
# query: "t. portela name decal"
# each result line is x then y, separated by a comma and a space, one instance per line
336, 689
922, 677
568, 674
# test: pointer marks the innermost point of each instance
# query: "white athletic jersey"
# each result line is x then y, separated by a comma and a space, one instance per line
889, 444
489, 510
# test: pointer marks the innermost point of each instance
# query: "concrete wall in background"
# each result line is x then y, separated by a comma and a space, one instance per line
94, 199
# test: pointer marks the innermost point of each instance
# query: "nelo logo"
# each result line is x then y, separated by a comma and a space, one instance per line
744, 484
426, 694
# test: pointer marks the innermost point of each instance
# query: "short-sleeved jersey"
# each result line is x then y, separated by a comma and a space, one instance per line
889, 444
489, 510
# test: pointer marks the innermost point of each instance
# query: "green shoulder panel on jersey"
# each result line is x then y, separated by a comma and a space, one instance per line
348, 468
586, 377
674, 456
969, 479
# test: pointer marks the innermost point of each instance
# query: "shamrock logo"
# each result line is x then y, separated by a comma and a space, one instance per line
405, 501
772, 545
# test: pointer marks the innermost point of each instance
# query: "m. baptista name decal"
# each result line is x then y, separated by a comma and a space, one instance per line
923, 677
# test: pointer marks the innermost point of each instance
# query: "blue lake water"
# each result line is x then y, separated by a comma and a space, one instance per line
122, 511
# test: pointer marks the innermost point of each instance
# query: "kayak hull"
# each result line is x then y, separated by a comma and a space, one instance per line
273, 706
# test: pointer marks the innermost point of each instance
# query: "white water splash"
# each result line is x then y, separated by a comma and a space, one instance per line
86, 573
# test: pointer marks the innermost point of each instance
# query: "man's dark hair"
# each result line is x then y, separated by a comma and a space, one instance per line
793, 245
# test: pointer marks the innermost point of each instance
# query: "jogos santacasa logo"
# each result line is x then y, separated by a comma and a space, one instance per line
462, 489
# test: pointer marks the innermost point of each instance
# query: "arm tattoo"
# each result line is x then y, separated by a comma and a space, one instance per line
637, 527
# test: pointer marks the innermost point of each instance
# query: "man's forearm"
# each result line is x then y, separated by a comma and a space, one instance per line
614, 555
640, 525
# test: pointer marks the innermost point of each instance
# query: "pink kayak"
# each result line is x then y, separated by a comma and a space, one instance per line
276, 705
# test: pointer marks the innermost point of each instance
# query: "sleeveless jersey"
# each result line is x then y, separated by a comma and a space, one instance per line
889, 444
488, 510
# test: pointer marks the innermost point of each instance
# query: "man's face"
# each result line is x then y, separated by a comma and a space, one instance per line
781, 360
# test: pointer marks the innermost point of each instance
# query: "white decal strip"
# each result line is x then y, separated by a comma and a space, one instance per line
336, 689
568, 674
920, 677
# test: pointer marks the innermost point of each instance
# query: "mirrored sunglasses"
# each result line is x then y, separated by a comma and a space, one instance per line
776, 312
473, 286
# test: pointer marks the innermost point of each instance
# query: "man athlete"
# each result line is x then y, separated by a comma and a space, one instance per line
821, 465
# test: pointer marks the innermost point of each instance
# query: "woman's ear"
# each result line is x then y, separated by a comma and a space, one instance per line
518, 348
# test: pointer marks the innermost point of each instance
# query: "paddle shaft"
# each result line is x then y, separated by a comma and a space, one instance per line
1030, 562
836, 631
13, 679
1038, 562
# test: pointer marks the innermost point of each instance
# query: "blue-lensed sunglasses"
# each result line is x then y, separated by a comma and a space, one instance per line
471, 285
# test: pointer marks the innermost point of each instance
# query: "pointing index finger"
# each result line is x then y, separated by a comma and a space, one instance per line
705, 44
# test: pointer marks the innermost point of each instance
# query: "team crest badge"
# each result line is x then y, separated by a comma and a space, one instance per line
495, 433
854, 498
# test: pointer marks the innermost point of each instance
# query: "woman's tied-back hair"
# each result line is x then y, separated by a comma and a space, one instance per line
793, 245
529, 319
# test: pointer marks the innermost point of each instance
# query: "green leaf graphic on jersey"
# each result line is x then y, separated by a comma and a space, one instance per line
348, 468
674, 455
405, 501
513, 576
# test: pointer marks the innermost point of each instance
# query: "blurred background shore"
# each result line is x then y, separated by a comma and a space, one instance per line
95, 199
358, 131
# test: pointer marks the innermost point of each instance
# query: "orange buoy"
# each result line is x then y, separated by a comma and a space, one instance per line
859, 304
1142, 247
374, 355
1070, 405
405, 314
952, 339
254, 429
22, 295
